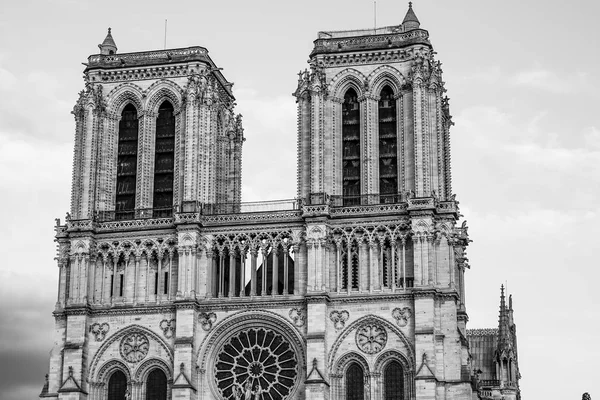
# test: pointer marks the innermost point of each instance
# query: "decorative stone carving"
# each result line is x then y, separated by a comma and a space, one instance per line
99, 330
371, 338
168, 327
339, 318
207, 320
298, 316
255, 362
134, 347
402, 315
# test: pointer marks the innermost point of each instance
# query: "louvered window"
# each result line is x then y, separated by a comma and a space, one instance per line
127, 163
388, 151
164, 161
351, 148
117, 386
156, 385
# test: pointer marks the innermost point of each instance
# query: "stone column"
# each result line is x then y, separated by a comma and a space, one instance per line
242, 272
136, 275
253, 278
286, 272
275, 271
232, 277
265, 254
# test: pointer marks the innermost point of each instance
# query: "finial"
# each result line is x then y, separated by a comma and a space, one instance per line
109, 30
409, 6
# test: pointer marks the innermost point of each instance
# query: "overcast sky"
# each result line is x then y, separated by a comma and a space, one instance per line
523, 81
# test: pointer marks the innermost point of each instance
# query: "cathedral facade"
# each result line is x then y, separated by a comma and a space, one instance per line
171, 288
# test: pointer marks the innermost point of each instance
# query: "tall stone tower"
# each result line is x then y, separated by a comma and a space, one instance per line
171, 288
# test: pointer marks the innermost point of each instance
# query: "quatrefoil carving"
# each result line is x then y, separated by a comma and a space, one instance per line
207, 320
402, 315
298, 316
168, 327
99, 330
339, 318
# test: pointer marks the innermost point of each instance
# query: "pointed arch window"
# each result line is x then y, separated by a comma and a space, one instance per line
351, 148
393, 380
156, 385
355, 382
117, 386
164, 161
388, 147
127, 163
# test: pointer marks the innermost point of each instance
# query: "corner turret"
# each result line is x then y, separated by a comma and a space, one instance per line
108, 47
410, 21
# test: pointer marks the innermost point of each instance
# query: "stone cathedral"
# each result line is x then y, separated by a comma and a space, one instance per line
170, 287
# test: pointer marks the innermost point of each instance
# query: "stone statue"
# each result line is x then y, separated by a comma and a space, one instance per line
248, 390
238, 392
257, 392
127, 394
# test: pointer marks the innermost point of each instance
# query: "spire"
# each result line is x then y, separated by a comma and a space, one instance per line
502, 319
410, 20
108, 46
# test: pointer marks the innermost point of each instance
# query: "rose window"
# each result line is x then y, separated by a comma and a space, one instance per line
134, 347
256, 361
371, 338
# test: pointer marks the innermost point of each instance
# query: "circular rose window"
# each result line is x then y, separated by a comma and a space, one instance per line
256, 361
134, 347
371, 338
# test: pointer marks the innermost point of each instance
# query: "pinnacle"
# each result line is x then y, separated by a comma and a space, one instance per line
411, 16
108, 46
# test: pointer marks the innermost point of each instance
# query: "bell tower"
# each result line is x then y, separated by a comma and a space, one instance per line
373, 120
154, 130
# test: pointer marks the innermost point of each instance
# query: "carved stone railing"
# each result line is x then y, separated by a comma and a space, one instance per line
489, 383
423, 203
250, 207
148, 57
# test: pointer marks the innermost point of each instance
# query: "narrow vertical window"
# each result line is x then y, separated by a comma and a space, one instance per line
112, 285
164, 161
388, 153
393, 381
122, 278
117, 386
166, 286
127, 163
156, 385
156, 283
351, 149
355, 382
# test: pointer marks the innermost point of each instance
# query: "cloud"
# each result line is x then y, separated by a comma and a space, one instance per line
32, 105
548, 80
269, 153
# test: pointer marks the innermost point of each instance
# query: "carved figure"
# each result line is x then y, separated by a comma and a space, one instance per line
248, 390
237, 392
257, 392
127, 394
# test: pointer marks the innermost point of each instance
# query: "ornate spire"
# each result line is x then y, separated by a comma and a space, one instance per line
108, 46
502, 319
410, 20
